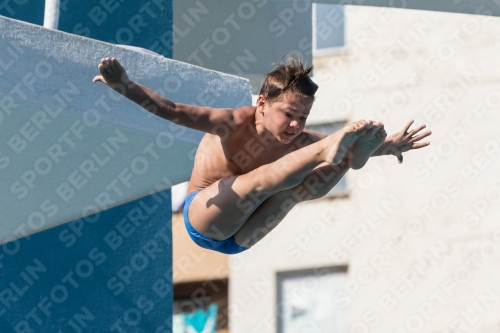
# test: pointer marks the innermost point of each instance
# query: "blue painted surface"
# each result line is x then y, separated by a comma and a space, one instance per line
142, 23
24, 10
108, 272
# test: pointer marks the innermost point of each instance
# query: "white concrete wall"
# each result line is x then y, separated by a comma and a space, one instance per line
421, 239
58, 158
480, 7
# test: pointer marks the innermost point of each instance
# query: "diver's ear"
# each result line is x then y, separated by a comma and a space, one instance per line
261, 103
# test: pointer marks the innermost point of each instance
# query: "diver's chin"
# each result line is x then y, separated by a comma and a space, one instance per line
288, 137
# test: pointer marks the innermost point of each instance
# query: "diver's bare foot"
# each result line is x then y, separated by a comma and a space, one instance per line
366, 145
337, 144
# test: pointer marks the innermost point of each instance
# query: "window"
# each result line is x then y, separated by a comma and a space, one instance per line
198, 303
306, 301
327, 129
328, 29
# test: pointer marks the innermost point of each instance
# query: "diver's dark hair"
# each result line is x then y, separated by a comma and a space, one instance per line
289, 76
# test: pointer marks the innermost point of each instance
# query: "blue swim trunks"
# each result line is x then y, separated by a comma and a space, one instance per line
227, 246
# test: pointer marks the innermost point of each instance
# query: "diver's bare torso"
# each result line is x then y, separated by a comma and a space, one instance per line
240, 149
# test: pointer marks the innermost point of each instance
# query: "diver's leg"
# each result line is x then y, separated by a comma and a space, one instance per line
272, 211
